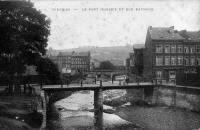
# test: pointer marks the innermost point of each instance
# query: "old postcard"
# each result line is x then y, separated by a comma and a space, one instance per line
100, 64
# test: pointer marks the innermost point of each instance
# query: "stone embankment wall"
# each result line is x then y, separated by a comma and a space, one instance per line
179, 96
182, 97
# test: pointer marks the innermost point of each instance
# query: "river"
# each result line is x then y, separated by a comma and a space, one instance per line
76, 113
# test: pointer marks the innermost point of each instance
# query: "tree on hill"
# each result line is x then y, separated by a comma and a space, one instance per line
24, 34
106, 65
49, 71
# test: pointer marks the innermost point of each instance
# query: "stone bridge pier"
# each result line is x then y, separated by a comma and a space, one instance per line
98, 109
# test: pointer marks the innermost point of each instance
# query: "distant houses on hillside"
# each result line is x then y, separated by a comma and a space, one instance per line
116, 56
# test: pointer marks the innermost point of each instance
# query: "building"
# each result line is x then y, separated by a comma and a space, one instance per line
171, 55
135, 65
132, 61
128, 65
72, 61
138, 50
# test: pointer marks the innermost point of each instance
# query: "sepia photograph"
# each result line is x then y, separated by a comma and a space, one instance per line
99, 65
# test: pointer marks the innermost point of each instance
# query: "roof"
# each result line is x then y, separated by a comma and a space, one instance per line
164, 33
51, 52
74, 54
190, 35
52, 57
64, 54
81, 54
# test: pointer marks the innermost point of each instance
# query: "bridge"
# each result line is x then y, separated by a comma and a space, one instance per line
106, 86
108, 72
98, 89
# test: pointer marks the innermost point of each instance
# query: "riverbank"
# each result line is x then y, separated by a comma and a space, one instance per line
151, 117
160, 118
20, 111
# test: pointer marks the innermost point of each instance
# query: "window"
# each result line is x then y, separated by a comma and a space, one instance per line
159, 48
186, 49
172, 74
167, 48
198, 61
186, 61
180, 49
180, 60
159, 60
192, 49
158, 74
198, 49
167, 60
192, 61
173, 48
173, 60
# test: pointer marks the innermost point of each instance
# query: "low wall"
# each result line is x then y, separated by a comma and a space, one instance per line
133, 95
177, 96
182, 97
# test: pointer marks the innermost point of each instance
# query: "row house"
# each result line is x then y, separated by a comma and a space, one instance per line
171, 55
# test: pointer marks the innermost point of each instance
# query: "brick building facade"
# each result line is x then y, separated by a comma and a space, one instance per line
171, 55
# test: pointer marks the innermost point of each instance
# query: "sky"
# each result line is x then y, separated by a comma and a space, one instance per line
114, 22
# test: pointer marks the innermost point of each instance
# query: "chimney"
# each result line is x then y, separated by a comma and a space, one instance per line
150, 27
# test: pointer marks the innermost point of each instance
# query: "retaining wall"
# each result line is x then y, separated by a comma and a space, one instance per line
183, 97
178, 96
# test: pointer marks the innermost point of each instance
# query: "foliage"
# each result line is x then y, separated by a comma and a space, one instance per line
24, 34
49, 71
106, 65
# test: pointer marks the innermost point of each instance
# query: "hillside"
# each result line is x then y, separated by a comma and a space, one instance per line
100, 53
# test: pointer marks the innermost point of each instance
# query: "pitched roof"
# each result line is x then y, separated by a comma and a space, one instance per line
164, 33
81, 54
74, 53
53, 58
191, 35
64, 54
